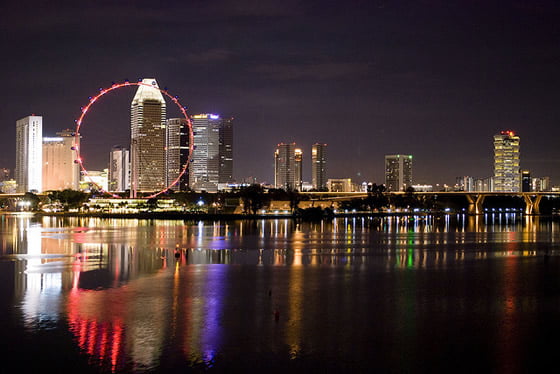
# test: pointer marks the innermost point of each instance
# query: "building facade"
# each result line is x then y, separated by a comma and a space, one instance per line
177, 153
147, 143
398, 172
226, 151
288, 171
526, 181
204, 169
119, 169
60, 171
507, 177
341, 185
319, 166
29, 154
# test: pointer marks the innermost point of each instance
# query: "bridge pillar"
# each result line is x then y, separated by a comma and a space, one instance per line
532, 206
475, 203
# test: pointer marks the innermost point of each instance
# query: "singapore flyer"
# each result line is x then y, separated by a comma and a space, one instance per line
88, 108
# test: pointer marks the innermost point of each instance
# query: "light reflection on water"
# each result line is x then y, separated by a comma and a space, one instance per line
149, 295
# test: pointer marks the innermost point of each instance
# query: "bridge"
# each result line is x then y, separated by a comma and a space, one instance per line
475, 199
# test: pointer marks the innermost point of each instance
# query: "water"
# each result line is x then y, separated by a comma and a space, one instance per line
422, 294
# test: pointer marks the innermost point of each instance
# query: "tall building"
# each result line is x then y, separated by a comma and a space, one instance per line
29, 154
60, 172
288, 162
147, 143
319, 166
398, 172
465, 183
506, 162
226, 151
119, 169
526, 181
212, 159
177, 153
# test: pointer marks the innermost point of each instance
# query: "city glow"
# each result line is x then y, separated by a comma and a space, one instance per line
116, 86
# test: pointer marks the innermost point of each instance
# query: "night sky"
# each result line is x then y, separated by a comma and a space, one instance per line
435, 79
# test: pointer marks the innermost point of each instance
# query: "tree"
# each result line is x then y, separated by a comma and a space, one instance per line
70, 199
295, 197
253, 198
376, 198
32, 199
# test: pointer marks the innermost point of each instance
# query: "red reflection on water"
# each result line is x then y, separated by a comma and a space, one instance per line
100, 319
95, 337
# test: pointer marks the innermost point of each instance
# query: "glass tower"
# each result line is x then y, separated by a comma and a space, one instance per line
177, 153
147, 143
288, 162
319, 166
398, 172
29, 154
507, 177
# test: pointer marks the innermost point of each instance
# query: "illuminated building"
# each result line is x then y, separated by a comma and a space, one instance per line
506, 162
119, 169
212, 157
398, 172
319, 166
483, 184
147, 143
526, 181
465, 183
60, 172
288, 161
226, 151
176, 152
541, 184
29, 154
341, 185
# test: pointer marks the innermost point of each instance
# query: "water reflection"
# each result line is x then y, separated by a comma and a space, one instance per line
143, 294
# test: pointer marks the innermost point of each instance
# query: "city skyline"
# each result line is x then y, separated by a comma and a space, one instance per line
372, 78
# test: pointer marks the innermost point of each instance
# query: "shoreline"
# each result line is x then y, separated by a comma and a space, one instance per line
232, 216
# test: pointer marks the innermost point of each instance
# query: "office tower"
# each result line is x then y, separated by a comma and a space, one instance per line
147, 143
319, 166
119, 169
205, 161
506, 162
60, 172
177, 153
398, 172
526, 181
226, 151
288, 162
29, 154
465, 183
540, 184
341, 185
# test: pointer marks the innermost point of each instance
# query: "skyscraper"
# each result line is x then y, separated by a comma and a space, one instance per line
60, 172
226, 151
506, 162
29, 154
177, 152
147, 143
119, 169
288, 161
212, 160
398, 172
319, 166
526, 181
